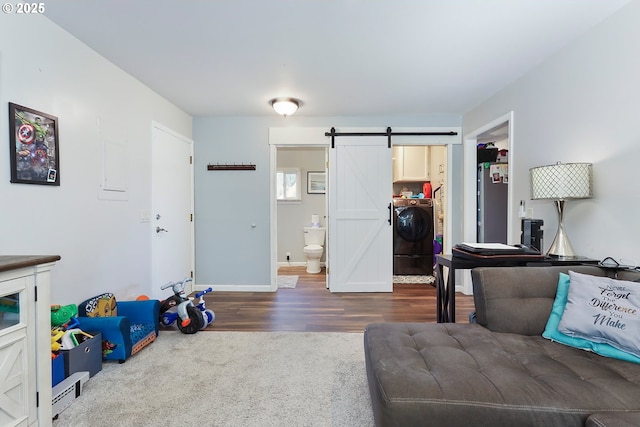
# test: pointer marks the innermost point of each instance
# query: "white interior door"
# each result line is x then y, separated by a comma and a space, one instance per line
327, 247
360, 232
172, 208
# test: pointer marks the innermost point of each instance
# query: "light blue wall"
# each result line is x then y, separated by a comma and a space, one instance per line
229, 250
581, 105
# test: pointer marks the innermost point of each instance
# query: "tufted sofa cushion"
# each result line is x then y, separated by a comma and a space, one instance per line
616, 419
519, 299
466, 375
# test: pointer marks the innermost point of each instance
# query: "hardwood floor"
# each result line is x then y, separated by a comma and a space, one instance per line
311, 307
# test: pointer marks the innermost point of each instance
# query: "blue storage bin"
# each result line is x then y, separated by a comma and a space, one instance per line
57, 369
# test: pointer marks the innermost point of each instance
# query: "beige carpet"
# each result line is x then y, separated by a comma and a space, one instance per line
231, 379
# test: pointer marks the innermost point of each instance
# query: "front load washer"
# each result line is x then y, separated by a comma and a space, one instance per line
413, 237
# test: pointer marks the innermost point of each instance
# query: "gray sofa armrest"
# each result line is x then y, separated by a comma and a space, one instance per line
518, 299
614, 419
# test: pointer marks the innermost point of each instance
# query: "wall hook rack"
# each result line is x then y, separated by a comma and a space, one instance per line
233, 167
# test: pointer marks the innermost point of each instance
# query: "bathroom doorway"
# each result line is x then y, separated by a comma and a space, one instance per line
300, 200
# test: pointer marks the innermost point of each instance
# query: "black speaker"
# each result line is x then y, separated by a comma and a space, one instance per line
531, 235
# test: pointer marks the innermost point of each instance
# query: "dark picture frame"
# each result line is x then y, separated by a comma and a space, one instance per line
33, 146
316, 182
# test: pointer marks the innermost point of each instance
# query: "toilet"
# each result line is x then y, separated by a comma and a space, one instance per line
313, 241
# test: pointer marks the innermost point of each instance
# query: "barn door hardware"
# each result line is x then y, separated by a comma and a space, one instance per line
389, 133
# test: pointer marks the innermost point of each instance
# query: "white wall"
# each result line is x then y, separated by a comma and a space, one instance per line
103, 244
581, 105
229, 249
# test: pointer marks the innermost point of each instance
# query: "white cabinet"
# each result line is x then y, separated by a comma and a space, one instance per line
411, 163
25, 340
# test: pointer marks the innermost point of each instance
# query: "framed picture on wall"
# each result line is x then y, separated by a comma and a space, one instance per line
316, 182
33, 146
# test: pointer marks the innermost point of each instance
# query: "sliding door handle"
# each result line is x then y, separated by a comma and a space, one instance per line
390, 213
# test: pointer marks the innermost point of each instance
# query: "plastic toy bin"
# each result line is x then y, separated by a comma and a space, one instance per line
86, 356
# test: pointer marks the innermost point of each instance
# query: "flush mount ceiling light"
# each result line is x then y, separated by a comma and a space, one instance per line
285, 106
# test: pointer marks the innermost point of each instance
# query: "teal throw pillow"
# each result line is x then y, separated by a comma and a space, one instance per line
551, 330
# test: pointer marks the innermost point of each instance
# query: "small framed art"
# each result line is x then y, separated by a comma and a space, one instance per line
316, 182
33, 146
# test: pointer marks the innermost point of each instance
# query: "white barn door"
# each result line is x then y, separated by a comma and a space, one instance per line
360, 232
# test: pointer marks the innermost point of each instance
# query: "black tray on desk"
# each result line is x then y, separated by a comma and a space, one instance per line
524, 255
492, 248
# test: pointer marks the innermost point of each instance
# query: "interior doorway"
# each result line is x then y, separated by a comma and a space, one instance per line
301, 171
493, 185
419, 172
500, 128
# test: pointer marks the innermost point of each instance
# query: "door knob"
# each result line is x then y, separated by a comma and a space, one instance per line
158, 230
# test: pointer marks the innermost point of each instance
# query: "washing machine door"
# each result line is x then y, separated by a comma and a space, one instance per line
413, 231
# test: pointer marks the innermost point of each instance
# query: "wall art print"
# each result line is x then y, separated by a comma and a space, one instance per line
34, 152
316, 182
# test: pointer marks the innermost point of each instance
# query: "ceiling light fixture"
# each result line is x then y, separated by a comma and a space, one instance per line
285, 106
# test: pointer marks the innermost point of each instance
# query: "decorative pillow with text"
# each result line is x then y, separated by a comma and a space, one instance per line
551, 330
603, 310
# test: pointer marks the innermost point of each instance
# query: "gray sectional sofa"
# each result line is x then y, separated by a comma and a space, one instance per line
499, 371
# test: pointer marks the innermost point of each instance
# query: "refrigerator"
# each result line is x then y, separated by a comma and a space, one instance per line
493, 184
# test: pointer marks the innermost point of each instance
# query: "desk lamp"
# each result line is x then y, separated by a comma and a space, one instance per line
560, 182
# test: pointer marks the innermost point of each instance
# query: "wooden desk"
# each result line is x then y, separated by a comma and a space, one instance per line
446, 289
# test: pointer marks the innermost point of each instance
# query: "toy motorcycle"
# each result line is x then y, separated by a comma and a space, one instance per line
208, 315
179, 308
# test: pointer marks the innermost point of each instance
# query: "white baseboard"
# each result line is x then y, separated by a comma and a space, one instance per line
249, 288
292, 264
235, 288
297, 264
